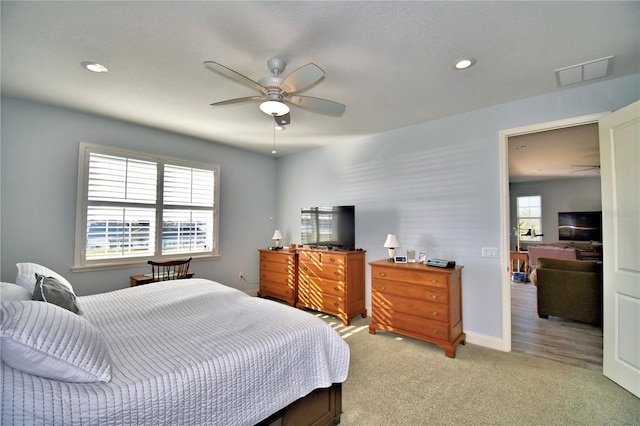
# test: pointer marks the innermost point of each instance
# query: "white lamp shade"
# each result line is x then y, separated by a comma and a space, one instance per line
274, 108
277, 235
392, 241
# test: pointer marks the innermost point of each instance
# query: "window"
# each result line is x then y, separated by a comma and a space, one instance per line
530, 218
132, 207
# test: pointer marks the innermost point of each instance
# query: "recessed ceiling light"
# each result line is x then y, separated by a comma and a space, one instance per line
520, 147
464, 63
94, 67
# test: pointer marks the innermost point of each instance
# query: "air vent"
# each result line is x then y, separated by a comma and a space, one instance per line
584, 72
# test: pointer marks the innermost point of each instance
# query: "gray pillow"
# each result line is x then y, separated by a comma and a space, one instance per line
50, 290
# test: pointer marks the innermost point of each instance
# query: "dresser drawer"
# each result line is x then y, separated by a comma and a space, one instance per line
422, 292
321, 302
414, 276
278, 278
308, 283
398, 321
277, 257
420, 308
283, 268
332, 272
322, 258
276, 290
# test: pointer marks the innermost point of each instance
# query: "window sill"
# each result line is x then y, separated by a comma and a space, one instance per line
136, 264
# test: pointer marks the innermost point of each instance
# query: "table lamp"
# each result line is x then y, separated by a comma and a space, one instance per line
277, 236
392, 244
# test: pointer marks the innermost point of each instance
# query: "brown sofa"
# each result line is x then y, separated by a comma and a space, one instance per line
570, 289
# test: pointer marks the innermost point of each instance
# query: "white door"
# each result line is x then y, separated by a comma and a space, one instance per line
620, 178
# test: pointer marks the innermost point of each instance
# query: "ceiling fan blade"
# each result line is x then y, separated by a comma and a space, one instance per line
319, 105
238, 100
233, 75
585, 168
302, 78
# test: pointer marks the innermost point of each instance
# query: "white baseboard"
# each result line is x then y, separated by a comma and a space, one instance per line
252, 292
486, 341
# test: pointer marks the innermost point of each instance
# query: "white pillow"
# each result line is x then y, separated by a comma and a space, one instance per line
27, 275
10, 292
51, 342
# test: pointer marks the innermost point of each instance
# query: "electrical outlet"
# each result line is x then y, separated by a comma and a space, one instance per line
241, 275
489, 252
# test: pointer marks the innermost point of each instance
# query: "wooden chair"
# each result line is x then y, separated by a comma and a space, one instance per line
172, 270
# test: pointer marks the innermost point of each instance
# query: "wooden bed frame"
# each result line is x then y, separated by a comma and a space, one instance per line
322, 407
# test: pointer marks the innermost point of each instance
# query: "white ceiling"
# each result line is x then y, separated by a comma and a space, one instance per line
390, 63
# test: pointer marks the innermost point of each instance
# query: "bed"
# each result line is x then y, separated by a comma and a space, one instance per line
183, 352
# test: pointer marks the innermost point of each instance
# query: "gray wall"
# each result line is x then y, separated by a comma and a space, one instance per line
436, 185
563, 195
39, 154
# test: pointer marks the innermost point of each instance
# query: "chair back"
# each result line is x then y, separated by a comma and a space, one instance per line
171, 270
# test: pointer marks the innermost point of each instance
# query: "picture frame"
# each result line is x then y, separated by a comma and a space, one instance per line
411, 256
422, 257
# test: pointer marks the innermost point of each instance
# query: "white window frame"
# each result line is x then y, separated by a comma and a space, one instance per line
80, 261
527, 222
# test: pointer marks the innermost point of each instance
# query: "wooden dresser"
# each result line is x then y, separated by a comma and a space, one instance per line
332, 282
418, 301
278, 274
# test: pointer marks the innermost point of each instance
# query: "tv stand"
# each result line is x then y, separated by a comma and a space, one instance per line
332, 282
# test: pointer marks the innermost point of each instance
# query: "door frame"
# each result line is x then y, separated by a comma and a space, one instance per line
505, 233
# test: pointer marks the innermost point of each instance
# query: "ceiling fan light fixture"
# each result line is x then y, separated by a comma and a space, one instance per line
275, 108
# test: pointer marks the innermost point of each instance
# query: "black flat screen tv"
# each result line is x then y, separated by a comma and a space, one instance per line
331, 228
580, 226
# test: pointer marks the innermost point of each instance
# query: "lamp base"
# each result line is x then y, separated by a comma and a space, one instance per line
392, 254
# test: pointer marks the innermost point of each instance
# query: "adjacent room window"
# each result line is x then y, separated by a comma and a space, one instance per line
530, 218
133, 207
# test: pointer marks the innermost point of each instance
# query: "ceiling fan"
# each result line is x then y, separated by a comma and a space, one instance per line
276, 92
585, 168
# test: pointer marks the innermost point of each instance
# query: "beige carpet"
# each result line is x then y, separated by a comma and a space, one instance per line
394, 380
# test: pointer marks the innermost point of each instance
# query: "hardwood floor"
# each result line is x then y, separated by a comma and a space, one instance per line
562, 340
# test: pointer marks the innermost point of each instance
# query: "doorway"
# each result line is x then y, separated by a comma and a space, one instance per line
505, 218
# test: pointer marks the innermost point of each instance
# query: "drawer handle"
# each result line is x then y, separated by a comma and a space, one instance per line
336, 273
382, 287
336, 304
336, 288
433, 280
383, 302
435, 313
332, 259
434, 330
304, 268
383, 274
383, 317
434, 296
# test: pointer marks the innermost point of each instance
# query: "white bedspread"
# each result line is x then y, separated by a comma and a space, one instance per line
186, 352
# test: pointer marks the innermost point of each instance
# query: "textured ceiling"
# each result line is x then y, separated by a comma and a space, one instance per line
390, 63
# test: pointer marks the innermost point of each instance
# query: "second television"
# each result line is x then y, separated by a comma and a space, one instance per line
330, 228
